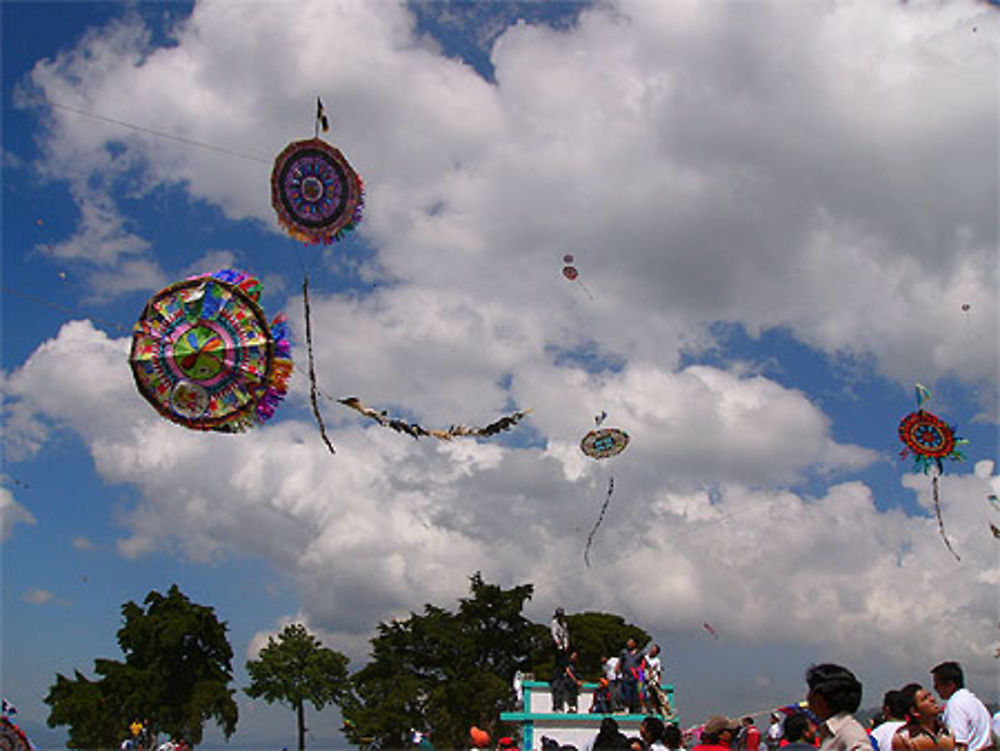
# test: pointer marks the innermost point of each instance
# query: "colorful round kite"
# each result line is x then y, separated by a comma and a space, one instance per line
604, 442
317, 194
929, 438
12, 738
204, 355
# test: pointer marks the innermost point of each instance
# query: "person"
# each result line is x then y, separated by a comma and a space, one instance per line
566, 687
651, 732
834, 695
774, 732
673, 739
609, 737
636, 743
718, 734
610, 665
655, 699
630, 671
601, 701
964, 714
506, 743
560, 637
893, 718
798, 733
923, 729
749, 735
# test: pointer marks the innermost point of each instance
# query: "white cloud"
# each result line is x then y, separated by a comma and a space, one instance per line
12, 513
36, 596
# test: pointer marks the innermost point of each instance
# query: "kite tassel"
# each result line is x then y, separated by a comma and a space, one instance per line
313, 389
940, 519
600, 518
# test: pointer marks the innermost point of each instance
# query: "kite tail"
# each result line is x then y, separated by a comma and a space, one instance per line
600, 518
937, 510
585, 289
312, 370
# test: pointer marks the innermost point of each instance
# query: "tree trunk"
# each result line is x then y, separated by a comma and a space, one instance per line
301, 714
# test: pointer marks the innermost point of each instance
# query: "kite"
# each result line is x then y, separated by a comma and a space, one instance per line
602, 443
315, 192
930, 439
204, 355
318, 198
416, 431
12, 738
995, 530
709, 629
572, 274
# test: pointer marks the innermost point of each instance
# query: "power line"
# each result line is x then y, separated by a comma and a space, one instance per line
157, 133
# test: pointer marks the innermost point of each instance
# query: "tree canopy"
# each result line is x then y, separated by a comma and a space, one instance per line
175, 677
445, 671
296, 668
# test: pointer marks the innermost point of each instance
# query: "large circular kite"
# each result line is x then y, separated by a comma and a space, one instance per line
927, 436
204, 355
604, 442
317, 194
12, 738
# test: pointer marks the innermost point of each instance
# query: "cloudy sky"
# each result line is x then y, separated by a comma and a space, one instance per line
783, 214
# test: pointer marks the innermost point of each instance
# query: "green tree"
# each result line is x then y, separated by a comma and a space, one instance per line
175, 677
296, 669
445, 671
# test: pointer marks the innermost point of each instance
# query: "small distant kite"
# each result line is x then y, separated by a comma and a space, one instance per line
708, 627
930, 439
204, 356
416, 431
602, 443
966, 307
572, 274
315, 192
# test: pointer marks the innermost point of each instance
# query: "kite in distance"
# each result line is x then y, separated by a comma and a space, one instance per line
413, 429
930, 439
204, 356
572, 274
602, 443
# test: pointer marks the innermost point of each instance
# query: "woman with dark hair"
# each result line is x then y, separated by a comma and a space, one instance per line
923, 730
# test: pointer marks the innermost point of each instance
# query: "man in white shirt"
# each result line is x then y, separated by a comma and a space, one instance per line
966, 717
893, 718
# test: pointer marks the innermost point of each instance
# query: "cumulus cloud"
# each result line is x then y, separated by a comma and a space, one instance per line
12, 513
36, 596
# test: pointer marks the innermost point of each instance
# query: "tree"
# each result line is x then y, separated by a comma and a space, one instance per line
445, 671
175, 677
295, 669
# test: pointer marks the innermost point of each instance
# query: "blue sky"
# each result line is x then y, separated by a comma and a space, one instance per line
779, 213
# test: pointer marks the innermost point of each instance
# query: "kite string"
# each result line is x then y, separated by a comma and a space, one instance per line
940, 520
313, 389
600, 518
65, 309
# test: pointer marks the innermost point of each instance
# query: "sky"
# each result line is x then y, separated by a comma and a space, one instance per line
784, 216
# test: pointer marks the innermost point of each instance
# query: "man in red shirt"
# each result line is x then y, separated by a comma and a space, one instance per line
750, 735
718, 734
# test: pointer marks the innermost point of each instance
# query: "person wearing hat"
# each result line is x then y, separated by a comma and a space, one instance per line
718, 734
834, 695
560, 637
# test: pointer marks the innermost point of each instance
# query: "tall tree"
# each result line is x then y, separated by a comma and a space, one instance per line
176, 676
296, 668
445, 671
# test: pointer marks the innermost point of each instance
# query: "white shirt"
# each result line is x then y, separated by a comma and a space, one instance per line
884, 732
611, 669
968, 719
653, 669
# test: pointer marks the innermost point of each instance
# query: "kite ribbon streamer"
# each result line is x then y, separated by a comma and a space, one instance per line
313, 390
940, 520
600, 518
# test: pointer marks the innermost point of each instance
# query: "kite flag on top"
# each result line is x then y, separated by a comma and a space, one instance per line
930, 439
602, 443
205, 357
8, 708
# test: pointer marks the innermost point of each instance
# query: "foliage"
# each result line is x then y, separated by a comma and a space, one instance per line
444, 671
175, 677
296, 669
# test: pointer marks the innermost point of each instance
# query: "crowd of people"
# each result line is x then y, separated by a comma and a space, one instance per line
631, 682
911, 719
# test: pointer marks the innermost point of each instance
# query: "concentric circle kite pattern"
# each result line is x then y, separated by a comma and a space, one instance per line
929, 438
316, 193
604, 443
12, 738
205, 357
